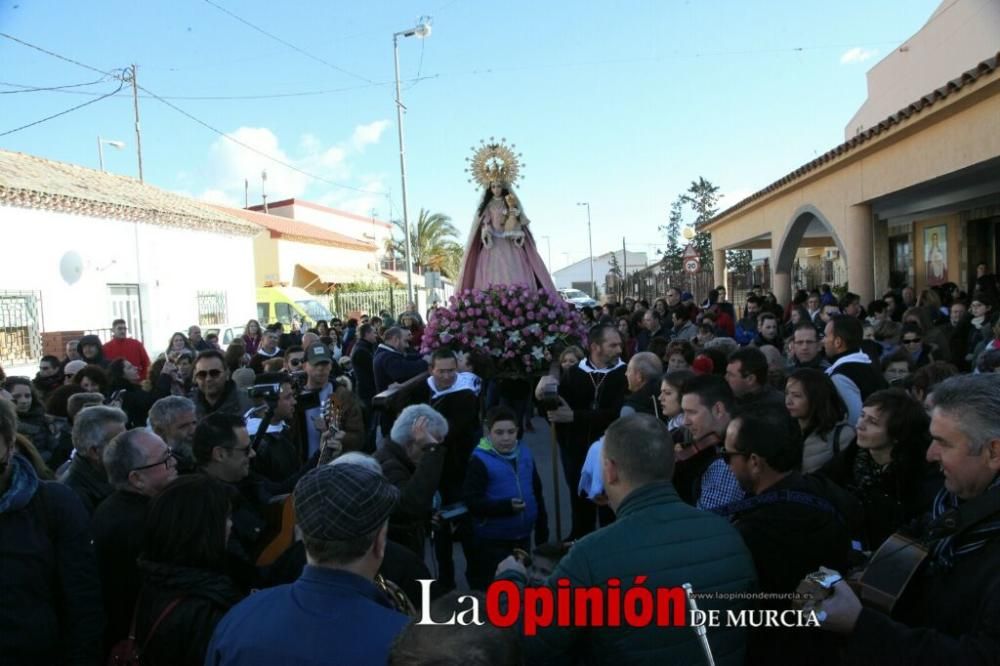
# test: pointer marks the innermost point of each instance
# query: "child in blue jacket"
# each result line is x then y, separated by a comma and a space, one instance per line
504, 495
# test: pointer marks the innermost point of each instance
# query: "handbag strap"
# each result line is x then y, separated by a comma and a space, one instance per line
163, 614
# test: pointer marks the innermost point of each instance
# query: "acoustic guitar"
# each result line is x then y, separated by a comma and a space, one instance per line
879, 585
890, 570
280, 513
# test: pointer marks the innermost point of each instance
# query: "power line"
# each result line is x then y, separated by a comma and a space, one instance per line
288, 44
27, 89
251, 148
301, 93
63, 113
54, 55
120, 75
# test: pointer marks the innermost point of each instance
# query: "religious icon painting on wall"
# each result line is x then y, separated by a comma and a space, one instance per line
936, 255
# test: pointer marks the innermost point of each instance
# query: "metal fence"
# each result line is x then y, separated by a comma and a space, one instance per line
371, 302
651, 284
20, 326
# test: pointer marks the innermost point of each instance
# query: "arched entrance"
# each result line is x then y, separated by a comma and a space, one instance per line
825, 262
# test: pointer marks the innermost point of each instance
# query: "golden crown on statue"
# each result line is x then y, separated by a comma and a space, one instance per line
494, 161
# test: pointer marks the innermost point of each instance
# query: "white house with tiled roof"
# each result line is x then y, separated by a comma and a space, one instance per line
82, 247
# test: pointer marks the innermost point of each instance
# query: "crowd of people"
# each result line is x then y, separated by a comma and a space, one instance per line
280, 500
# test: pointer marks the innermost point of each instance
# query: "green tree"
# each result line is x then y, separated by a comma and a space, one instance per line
738, 261
434, 243
672, 229
703, 197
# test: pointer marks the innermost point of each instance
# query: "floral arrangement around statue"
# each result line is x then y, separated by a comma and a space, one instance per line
517, 328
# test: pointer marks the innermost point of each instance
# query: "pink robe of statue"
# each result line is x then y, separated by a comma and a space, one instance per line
504, 263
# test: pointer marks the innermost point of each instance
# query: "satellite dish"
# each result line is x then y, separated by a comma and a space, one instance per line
688, 233
71, 267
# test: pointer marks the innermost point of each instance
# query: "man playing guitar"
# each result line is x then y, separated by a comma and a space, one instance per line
948, 611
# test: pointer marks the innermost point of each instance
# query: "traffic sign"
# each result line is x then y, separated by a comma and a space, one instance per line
692, 264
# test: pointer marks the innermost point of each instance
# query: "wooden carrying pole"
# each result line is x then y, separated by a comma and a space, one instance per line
555, 481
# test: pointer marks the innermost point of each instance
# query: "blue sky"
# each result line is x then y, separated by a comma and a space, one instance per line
620, 104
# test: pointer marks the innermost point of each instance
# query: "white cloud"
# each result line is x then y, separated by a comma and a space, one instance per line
228, 164
365, 135
857, 55
359, 203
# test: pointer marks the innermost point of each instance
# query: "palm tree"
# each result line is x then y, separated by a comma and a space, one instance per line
434, 243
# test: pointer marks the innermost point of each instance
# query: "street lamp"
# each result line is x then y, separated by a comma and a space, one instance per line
422, 30
590, 241
100, 149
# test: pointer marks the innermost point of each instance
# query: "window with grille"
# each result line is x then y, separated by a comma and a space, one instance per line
20, 326
212, 308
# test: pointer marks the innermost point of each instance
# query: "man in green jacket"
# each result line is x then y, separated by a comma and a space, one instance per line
656, 536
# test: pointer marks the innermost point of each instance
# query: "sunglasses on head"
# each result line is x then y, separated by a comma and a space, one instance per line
213, 373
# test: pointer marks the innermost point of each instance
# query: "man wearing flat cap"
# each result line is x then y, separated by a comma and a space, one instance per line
333, 613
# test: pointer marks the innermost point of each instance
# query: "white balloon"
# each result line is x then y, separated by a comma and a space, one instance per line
71, 267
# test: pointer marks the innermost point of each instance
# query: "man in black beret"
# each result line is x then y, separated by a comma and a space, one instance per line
333, 613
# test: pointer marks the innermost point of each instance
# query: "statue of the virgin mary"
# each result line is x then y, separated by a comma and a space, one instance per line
500, 249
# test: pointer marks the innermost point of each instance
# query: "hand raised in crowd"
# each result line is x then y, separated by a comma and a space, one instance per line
545, 381
562, 415
331, 445
320, 424
170, 369
421, 434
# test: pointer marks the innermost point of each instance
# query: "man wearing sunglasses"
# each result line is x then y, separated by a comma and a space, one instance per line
215, 391
224, 451
295, 358
791, 524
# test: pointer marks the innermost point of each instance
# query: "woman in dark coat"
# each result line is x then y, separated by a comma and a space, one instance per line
184, 557
32, 421
125, 390
885, 466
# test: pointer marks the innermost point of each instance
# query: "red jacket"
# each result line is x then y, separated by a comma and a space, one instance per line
130, 350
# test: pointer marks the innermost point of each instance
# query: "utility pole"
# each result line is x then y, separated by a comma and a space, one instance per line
590, 241
624, 269
263, 188
131, 78
402, 172
246, 193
